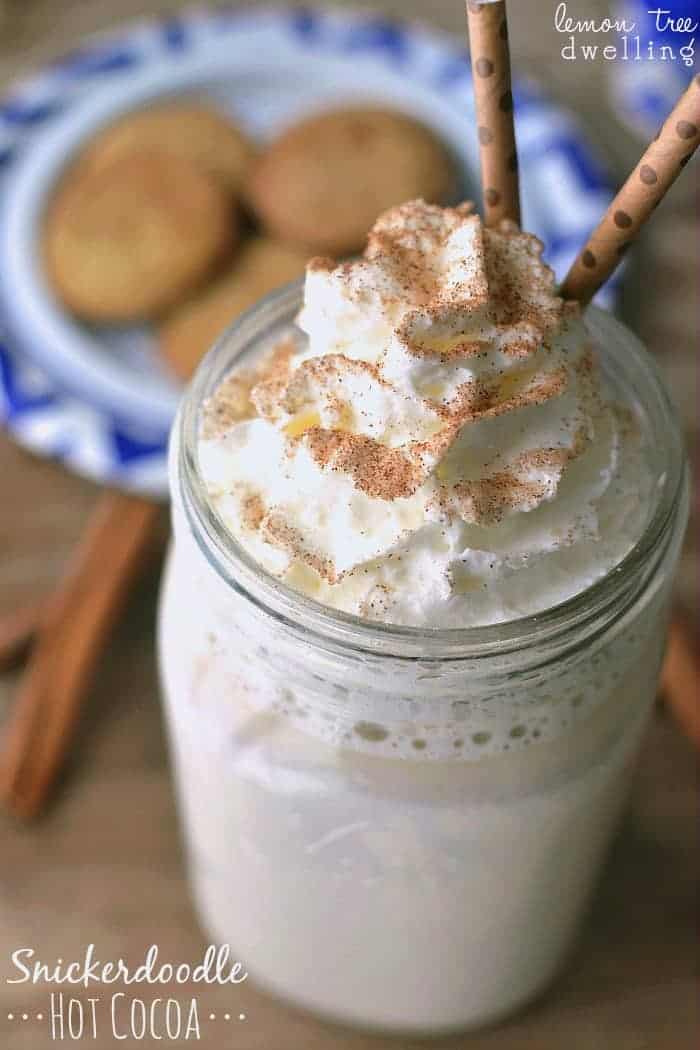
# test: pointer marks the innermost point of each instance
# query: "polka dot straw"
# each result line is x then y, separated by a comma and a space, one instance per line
657, 170
488, 37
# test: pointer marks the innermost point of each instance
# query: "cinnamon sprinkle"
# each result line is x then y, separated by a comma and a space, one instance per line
316, 370
502, 293
252, 511
277, 531
234, 399
377, 470
474, 401
486, 500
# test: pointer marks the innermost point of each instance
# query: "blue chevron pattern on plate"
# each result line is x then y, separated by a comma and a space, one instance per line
52, 408
61, 427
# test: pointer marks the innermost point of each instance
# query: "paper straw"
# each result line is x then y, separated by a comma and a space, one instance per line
488, 36
658, 169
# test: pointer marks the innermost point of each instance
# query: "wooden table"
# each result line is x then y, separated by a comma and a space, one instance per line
105, 866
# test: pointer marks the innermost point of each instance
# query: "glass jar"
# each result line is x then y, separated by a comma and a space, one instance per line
398, 827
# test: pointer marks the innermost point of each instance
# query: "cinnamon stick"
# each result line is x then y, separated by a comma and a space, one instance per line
680, 678
77, 619
17, 631
493, 96
659, 167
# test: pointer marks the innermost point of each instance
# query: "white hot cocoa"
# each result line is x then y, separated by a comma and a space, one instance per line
412, 621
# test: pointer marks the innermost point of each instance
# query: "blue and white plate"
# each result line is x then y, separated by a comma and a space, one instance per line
100, 400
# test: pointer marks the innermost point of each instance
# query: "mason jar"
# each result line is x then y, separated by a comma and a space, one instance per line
401, 827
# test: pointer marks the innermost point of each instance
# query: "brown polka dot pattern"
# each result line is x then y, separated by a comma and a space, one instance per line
686, 130
657, 169
494, 108
484, 67
371, 731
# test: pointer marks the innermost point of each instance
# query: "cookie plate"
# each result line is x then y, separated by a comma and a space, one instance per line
100, 400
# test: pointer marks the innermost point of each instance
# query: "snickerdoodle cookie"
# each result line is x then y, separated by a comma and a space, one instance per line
126, 242
188, 130
262, 265
324, 181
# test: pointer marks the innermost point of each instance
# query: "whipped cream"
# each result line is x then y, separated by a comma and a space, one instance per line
439, 451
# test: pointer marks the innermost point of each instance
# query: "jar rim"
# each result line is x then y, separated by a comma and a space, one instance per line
240, 570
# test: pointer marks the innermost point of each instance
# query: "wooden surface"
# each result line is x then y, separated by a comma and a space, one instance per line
105, 866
